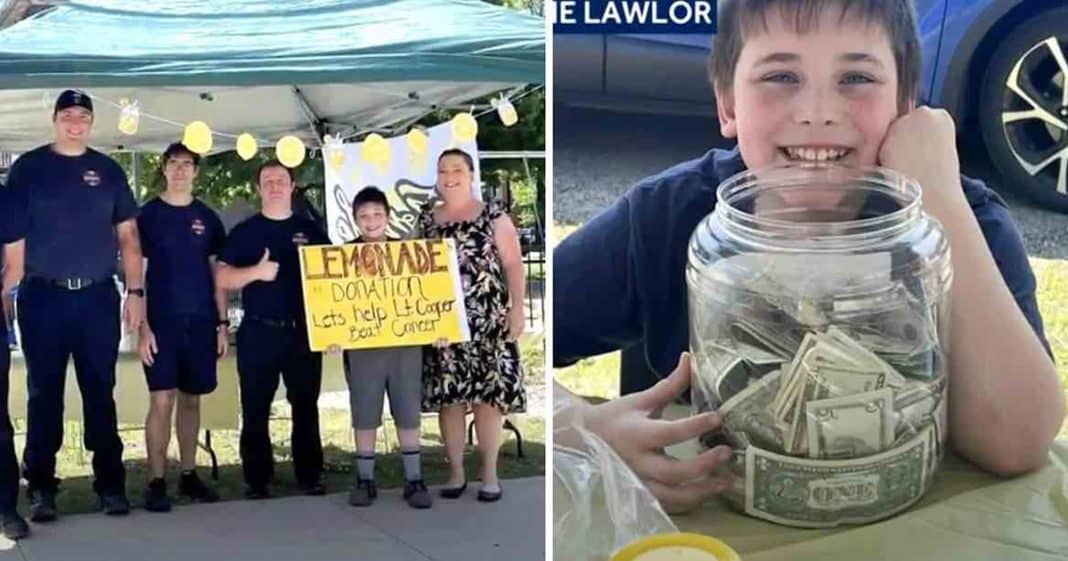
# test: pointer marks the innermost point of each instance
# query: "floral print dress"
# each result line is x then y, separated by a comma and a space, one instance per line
485, 369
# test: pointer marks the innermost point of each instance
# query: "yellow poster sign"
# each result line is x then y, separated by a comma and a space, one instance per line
383, 294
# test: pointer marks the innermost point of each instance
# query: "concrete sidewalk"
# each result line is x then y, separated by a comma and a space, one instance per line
304, 529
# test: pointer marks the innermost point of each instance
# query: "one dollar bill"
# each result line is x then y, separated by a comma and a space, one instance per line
824, 493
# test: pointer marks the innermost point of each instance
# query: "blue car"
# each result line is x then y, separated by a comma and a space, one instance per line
1000, 67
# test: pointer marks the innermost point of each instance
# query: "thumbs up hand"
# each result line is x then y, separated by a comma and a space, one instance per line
267, 270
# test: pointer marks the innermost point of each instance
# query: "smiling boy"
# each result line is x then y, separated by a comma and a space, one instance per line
809, 80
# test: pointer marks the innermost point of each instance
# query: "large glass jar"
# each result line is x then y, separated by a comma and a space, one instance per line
818, 307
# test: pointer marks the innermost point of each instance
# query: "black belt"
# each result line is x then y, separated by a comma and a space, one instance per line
272, 322
72, 283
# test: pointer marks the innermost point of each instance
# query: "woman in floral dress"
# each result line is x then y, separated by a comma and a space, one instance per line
483, 374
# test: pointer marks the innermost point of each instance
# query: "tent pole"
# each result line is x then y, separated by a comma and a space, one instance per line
317, 124
135, 166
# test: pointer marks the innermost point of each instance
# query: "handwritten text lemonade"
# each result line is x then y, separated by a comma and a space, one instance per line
379, 294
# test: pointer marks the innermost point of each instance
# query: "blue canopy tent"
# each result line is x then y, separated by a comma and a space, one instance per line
261, 66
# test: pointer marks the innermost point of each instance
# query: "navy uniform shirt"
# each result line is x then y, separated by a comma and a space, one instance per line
619, 280
178, 242
282, 299
7, 235
66, 207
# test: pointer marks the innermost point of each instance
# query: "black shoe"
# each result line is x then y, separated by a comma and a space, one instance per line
14, 526
416, 494
363, 493
191, 486
156, 499
314, 489
42, 504
489, 497
453, 492
116, 504
256, 492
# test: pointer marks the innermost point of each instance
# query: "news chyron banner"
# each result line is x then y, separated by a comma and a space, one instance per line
387, 294
634, 16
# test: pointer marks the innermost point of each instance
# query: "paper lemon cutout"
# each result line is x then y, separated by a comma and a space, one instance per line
417, 142
290, 151
247, 146
376, 150
464, 127
197, 137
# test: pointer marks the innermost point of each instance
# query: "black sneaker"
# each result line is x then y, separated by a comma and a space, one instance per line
191, 486
156, 499
314, 489
256, 492
417, 495
363, 493
14, 526
115, 503
42, 504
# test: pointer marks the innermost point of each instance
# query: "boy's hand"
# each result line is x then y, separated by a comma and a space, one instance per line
626, 424
146, 346
222, 342
266, 270
334, 350
133, 313
923, 145
8, 299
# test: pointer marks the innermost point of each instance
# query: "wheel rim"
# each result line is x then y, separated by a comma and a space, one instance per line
1034, 113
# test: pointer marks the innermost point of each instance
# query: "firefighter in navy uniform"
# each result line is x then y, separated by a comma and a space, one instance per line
185, 331
73, 213
11, 523
261, 259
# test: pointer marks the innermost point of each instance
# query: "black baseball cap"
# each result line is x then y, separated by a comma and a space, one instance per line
73, 98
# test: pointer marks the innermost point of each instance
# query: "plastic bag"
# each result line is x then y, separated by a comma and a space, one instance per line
599, 504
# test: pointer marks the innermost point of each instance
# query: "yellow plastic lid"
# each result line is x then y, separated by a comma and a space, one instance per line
677, 547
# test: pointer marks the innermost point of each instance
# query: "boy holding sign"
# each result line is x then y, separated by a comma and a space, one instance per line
371, 372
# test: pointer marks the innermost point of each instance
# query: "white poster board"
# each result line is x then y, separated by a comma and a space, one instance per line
407, 174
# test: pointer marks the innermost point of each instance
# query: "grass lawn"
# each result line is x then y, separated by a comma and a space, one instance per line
1052, 276
599, 376
75, 468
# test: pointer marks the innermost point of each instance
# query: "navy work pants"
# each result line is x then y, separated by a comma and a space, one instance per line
58, 324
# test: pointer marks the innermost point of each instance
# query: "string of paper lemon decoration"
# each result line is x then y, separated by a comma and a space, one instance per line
291, 150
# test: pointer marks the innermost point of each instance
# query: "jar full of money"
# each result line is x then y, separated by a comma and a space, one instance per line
818, 313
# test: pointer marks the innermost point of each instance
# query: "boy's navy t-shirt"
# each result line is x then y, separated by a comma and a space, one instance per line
66, 207
281, 300
619, 280
178, 242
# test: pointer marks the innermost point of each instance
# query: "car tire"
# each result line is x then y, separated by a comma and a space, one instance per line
1027, 137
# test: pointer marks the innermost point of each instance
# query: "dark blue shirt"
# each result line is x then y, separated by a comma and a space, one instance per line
178, 242
281, 299
66, 207
619, 280
7, 235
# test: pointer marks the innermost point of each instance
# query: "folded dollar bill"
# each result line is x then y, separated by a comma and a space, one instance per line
826, 493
